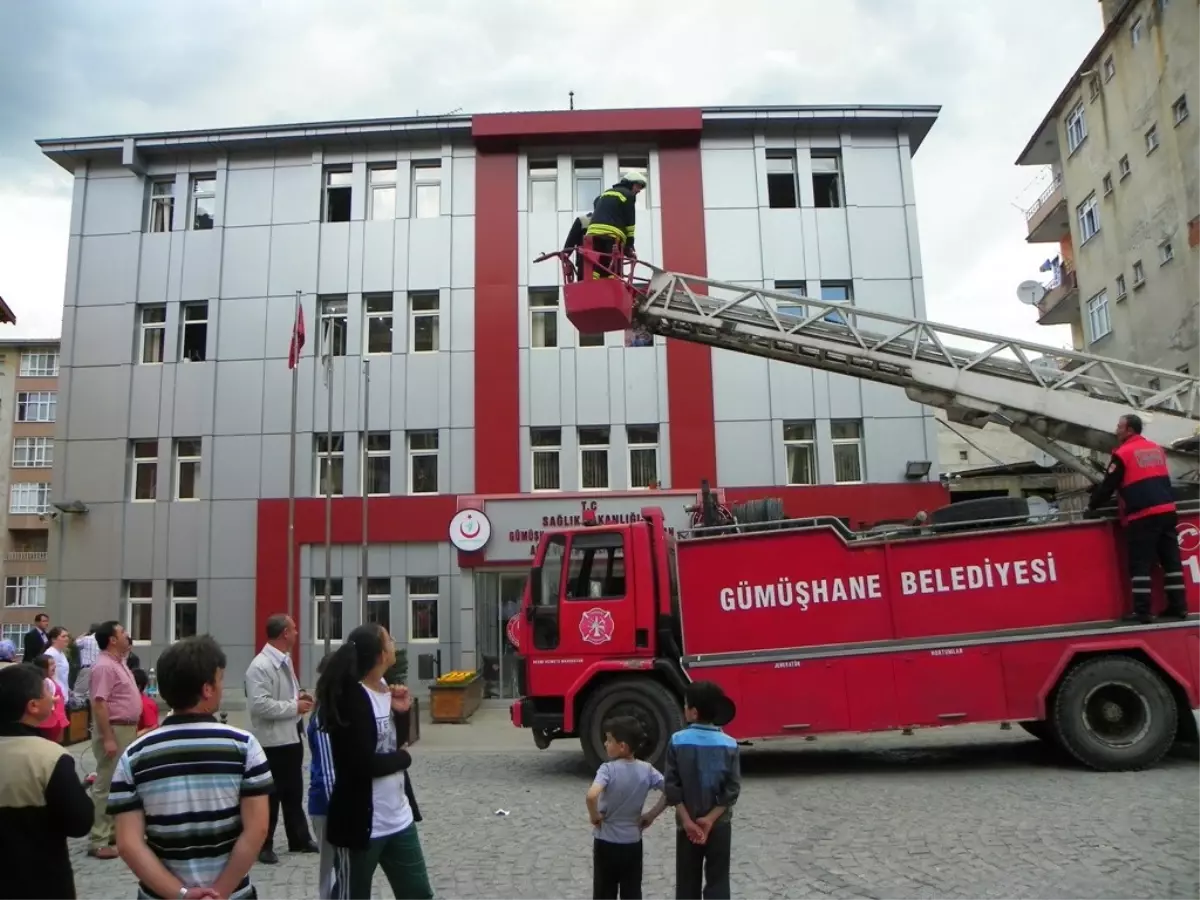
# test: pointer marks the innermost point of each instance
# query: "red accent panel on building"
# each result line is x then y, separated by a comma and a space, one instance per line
689, 366
606, 126
497, 306
861, 504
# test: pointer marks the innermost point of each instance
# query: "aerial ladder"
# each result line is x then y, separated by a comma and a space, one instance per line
1060, 401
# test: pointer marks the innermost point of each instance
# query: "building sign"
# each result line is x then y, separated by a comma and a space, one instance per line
518, 525
470, 530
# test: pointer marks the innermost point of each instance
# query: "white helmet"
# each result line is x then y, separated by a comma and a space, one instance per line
634, 176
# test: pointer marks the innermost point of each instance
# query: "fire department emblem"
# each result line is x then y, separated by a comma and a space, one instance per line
512, 630
596, 626
1189, 538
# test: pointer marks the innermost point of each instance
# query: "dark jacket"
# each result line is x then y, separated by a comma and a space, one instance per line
578, 228
42, 804
35, 645
703, 771
615, 214
356, 765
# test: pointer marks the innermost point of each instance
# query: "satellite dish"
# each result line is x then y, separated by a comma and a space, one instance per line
1039, 507
1043, 459
1030, 292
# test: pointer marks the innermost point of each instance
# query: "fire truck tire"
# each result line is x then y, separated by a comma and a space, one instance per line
1039, 729
648, 701
1115, 714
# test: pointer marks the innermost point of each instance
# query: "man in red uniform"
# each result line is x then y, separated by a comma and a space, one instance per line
1138, 473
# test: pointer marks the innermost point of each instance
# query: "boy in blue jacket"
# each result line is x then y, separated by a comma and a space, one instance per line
320, 787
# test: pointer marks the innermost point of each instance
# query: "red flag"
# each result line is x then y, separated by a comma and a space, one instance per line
297, 339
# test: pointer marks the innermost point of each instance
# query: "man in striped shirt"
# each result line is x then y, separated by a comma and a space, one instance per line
190, 797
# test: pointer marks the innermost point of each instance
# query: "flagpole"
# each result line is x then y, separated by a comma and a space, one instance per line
294, 360
366, 432
329, 493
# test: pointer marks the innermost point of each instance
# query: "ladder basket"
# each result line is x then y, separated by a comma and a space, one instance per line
598, 291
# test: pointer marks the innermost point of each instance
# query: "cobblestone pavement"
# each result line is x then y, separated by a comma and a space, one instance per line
964, 813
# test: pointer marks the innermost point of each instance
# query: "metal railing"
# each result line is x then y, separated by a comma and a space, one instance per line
26, 556
1055, 184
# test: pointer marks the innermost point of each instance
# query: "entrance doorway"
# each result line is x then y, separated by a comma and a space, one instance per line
497, 599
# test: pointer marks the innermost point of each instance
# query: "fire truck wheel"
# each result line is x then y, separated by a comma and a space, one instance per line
1114, 714
648, 701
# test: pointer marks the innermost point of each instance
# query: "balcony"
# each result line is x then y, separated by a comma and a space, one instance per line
1060, 305
1048, 220
26, 556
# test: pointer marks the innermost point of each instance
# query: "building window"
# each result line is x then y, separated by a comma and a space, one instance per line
797, 307
1123, 167
836, 292
963, 455
335, 608
593, 459
782, 192
139, 621
25, 590
330, 458
595, 339
1166, 253
333, 325
143, 471
153, 337
1179, 109
339, 187
847, 451
641, 164
193, 332
15, 632
37, 406
543, 317
1099, 323
427, 190
379, 602
28, 499
33, 453
1151, 139
1107, 184
187, 468
378, 309
643, 455
204, 202
423, 609
1136, 30
543, 186
1093, 88
589, 183
1139, 273
162, 205
423, 322
1120, 286
1110, 68
800, 452
827, 179
422, 462
1089, 218
377, 464
185, 609
546, 447
39, 364
382, 180
1076, 127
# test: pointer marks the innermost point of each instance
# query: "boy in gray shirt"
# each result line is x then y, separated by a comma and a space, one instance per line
614, 803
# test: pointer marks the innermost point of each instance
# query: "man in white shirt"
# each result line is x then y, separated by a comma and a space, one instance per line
276, 706
89, 651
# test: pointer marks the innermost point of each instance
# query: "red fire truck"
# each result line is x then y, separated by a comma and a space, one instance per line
979, 612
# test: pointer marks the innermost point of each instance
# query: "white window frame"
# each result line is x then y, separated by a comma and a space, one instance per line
543, 172
426, 189
424, 305
28, 498
191, 314
411, 598
540, 307
845, 287
37, 406
190, 459
858, 441
793, 444
1179, 109
797, 307
635, 442
640, 164
368, 454
202, 187
178, 599
375, 598
317, 587
587, 182
160, 206
381, 181
336, 178
1166, 253
414, 453
781, 164
824, 163
152, 328
1152, 141
1088, 227
136, 463
1076, 127
1124, 167
1139, 273
1121, 289
536, 450
1106, 184
1135, 31
33, 453
1099, 318
15, 632
335, 325
1110, 68
597, 447
323, 458
140, 600
26, 591
386, 316
39, 364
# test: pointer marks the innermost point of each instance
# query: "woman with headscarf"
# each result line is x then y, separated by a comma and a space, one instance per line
8, 653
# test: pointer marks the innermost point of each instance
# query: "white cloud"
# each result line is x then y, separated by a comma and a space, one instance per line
83, 68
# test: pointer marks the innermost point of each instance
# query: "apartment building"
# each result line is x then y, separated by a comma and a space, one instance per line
1122, 203
410, 242
28, 407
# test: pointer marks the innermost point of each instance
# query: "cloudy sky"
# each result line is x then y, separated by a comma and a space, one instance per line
86, 67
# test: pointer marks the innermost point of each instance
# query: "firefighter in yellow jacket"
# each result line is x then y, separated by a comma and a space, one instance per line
614, 218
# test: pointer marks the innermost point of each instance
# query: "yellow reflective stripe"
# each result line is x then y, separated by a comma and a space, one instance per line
597, 228
616, 194
629, 231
